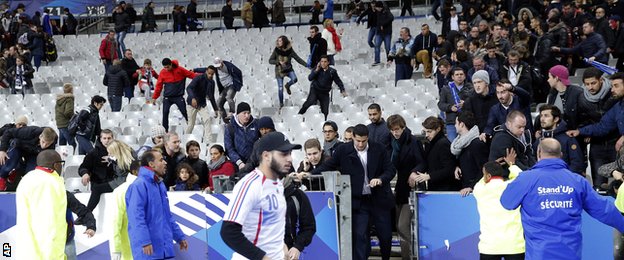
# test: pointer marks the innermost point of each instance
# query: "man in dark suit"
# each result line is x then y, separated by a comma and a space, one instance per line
371, 171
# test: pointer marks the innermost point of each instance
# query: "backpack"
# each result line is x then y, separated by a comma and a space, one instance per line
74, 124
23, 39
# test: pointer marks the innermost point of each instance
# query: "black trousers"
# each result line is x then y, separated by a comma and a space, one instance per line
381, 219
167, 103
314, 96
499, 257
97, 189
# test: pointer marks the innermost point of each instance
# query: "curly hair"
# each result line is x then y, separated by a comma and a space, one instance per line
193, 178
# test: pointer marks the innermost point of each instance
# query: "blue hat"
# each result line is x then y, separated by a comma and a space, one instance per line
266, 122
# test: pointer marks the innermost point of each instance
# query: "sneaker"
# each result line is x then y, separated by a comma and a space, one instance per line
12, 175
287, 87
2, 184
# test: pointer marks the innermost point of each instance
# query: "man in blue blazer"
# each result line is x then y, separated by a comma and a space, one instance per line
369, 166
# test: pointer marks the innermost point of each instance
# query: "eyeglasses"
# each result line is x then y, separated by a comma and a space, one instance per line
61, 162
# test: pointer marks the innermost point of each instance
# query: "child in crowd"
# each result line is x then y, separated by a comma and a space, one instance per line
187, 179
147, 79
501, 230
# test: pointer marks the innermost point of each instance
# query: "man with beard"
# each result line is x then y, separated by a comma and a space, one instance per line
377, 129
253, 225
369, 166
553, 126
172, 154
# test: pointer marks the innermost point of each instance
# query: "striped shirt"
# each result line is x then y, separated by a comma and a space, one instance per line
258, 204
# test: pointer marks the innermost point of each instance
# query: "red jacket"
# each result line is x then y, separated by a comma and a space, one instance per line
174, 78
106, 47
227, 169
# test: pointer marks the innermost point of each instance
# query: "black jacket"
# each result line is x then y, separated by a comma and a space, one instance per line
89, 125
148, 22
122, 21
228, 14
603, 28
503, 139
371, 16
480, 106
318, 47
384, 22
116, 79
441, 164
572, 97
172, 163
25, 139
99, 172
322, 79
191, 11
411, 158
130, 66
201, 88
428, 42
544, 57
260, 11
81, 211
471, 161
592, 112
300, 221
593, 46
378, 166
523, 74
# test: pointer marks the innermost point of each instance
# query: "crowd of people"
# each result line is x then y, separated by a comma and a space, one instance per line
494, 64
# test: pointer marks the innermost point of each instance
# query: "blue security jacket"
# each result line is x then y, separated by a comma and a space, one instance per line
552, 200
149, 217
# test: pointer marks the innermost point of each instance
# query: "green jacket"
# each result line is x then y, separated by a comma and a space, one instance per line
64, 109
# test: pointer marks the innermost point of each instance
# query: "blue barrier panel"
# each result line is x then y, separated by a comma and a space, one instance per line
199, 216
448, 219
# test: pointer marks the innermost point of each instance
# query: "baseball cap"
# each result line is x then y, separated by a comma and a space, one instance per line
276, 141
217, 62
562, 73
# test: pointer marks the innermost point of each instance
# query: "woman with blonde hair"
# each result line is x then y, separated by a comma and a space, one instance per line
120, 156
334, 46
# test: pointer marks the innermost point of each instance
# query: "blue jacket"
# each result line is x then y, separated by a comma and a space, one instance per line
235, 72
329, 10
201, 88
593, 46
572, 152
239, 144
181, 186
613, 119
552, 199
149, 217
402, 51
498, 114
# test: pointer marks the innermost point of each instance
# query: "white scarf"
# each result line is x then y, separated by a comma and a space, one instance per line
462, 141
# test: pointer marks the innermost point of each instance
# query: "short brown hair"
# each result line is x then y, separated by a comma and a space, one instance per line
312, 143
68, 88
49, 134
147, 62
433, 122
396, 121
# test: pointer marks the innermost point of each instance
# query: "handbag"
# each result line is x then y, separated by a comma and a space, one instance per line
286, 68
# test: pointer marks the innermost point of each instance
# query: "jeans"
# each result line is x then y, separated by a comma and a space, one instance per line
107, 64
403, 71
167, 103
129, 92
600, 154
280, 85
70, 250
115, 103
65, 138
371, 36
121, 36
385, 38
451, 132
84, 144
206, 119
227, 94
37, 61
331, 59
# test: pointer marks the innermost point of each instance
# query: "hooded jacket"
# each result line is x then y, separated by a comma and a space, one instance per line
173, 81
318, 47
149, 218
552, 199
64, 109
572, 152
504, 139
116, 79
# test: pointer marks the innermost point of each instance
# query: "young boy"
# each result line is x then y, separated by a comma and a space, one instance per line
501, 230
147, 77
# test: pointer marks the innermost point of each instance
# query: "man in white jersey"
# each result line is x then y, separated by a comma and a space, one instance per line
253, 225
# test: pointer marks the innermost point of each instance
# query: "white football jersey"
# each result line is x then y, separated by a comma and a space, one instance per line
258, 204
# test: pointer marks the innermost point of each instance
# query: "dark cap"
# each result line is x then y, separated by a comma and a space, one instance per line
242, 107
266, 122
276, 141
